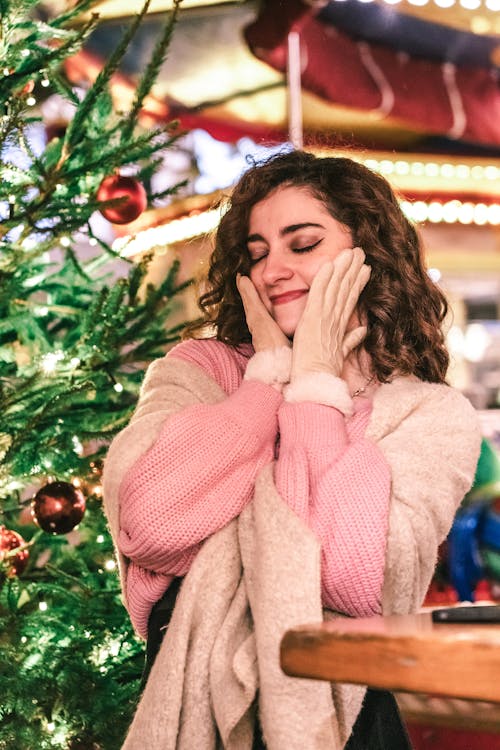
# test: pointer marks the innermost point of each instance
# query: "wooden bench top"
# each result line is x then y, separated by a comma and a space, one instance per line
400, 652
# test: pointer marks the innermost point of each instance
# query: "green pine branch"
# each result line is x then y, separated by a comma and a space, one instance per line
78, 327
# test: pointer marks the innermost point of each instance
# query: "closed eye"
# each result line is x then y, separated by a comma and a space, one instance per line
256, 259
306, 248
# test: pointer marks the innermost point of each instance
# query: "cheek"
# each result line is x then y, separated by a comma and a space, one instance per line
256, 278
310, 269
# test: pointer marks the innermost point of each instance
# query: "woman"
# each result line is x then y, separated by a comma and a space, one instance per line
299, 456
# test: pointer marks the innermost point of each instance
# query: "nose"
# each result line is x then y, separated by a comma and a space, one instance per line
276, 268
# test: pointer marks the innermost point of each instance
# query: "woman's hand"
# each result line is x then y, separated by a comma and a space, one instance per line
321, 341
266, 334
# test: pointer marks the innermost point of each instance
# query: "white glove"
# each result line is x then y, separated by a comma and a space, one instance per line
321, 342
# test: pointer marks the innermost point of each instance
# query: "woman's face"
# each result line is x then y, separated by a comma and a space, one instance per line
291, 234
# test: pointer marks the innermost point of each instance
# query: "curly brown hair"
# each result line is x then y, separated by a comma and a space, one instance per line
403, 308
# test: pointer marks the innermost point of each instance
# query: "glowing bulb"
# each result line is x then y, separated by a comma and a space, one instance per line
466, 213
77, 446
450, 211
43, 606
435, 212
118, 387
477, 340
431, 169
386, 166
494, 214
402, 167
420, 211
434, 274
480, 213
455, 340
50, 360
447, 170
110, 565
418, 168
462, 171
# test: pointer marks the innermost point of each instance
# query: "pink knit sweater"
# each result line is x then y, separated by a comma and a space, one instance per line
200, 472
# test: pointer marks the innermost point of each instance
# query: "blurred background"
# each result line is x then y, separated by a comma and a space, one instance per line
409, 88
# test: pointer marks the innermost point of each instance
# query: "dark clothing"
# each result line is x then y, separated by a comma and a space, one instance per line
379, 725
157, 624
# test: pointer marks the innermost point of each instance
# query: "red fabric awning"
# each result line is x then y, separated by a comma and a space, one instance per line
460, 102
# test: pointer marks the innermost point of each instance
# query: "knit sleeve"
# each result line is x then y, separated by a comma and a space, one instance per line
339, 484
197, 475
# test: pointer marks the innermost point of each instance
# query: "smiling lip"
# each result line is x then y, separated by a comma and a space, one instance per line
280, 299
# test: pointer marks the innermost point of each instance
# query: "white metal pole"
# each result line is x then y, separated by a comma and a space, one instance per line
295, 125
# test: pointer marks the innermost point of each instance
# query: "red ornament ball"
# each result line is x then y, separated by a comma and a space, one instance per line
14, 564
28, 87
120, 186
58, 507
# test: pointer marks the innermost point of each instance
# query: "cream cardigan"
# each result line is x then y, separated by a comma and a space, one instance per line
222, 645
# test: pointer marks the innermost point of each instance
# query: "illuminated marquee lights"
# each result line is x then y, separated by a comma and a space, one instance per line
461, 176
178, 230
476, 172
492, 5
452, 212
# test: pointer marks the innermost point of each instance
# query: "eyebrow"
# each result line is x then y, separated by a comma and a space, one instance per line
286, 230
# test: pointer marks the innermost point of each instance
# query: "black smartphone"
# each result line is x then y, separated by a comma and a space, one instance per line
473, 613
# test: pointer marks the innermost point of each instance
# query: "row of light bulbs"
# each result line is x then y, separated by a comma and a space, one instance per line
448, 171
492, 5
449, 212
452, 212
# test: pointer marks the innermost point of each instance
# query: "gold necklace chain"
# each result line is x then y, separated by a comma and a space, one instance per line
363, 388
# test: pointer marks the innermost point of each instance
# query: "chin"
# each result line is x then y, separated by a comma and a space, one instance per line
288, 330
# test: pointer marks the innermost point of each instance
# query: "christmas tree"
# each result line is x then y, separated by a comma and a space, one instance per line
76, 335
